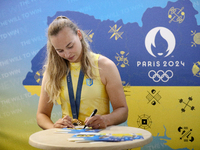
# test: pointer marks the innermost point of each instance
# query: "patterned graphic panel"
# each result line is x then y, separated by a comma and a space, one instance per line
163, 54
154, 44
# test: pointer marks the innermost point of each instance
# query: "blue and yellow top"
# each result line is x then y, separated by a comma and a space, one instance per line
93, 93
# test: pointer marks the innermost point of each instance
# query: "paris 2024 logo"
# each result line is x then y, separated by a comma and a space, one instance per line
160, 42
168, 41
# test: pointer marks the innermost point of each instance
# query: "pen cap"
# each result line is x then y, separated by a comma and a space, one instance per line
95, 111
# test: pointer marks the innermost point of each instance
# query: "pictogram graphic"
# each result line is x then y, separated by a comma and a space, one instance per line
176, 15
153, 97
121, 59
186, 104
196, 38
89, 35
144, 121
186, 134
115, 32
196, 69
38, 76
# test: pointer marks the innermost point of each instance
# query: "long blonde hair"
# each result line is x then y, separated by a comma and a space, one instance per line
56, 67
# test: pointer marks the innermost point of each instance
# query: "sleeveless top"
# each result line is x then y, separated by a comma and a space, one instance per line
93, 94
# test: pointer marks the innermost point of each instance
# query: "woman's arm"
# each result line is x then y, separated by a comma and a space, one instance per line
44, 112
44, 109
110, 77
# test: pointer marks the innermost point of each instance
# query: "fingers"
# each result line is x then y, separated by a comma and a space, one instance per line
97, 126
67, 118
86, 120
64, 123
67, 121
100, 125
57, 125
96, 122
90, 120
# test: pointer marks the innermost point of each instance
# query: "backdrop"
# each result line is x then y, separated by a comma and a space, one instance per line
155, 45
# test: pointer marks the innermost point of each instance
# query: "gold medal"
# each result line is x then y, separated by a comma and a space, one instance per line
77, 122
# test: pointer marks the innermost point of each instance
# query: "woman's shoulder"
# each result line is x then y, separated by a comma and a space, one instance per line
102, 61
105, 62
108, 70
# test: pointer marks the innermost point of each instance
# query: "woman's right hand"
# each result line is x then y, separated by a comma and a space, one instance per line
65, 122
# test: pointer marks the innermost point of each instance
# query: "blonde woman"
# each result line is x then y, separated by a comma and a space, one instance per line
79, 80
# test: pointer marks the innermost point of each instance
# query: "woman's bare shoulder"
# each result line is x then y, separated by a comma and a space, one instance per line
108, 70
105, 62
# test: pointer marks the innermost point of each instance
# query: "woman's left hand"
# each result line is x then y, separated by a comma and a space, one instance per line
96, 122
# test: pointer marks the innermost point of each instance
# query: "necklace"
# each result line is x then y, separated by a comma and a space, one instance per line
75, 66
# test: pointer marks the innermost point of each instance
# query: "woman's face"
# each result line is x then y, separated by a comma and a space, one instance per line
67, 44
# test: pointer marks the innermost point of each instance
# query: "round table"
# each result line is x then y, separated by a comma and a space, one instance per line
49, 139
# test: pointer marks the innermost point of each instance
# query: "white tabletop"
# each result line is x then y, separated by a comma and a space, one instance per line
48, 139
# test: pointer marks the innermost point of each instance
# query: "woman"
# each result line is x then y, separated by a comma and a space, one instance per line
68, 55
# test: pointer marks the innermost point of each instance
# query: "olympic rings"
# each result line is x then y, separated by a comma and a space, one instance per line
160, 75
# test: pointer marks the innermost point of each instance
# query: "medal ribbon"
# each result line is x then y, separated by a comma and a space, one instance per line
75, 104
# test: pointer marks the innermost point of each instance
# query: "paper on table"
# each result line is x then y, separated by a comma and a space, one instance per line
76, 130
107, 137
